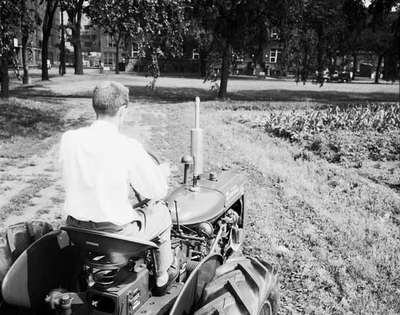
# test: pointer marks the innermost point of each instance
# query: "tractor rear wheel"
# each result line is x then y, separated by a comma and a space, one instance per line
243, 285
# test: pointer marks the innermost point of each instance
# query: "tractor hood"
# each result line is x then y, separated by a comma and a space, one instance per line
208, 201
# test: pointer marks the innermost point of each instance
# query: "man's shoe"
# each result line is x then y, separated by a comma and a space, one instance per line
173, 273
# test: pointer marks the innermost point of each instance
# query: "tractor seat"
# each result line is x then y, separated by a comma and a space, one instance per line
108, 244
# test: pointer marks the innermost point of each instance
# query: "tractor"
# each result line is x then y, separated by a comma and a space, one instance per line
77, 271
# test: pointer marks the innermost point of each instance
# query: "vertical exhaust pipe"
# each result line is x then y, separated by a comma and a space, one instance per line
196, 141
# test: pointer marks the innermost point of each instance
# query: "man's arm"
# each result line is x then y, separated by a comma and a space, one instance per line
148, 178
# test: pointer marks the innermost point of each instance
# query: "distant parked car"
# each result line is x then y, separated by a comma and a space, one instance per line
338, 76
344, 76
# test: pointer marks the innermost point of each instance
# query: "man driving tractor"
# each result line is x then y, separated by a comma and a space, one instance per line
99, 164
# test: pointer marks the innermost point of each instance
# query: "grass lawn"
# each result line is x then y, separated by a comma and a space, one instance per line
331, 228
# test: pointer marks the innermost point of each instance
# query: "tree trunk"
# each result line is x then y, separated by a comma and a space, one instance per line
117, 56
354, 65
45, 55
74, 12
320, 57
4, 75
51, 7
333, 64
260, 56
78, 49
25, 77
203, 54
391, 58
155, 70
61, 69
25, 36
378, 69
304, 68
297, 71
284, 58
226, 62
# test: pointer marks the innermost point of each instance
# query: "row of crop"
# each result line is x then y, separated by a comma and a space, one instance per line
338, 134
378, 118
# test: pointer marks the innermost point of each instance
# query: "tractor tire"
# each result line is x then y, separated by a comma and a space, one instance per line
243, 285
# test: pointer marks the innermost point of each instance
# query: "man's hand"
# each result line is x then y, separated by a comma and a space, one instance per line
164, 167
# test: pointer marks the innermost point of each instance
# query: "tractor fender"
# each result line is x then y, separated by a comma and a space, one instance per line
37, 270
190, 295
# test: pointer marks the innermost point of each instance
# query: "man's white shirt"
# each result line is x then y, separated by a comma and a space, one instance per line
99, 163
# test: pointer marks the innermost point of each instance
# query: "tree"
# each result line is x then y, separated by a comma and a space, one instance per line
199, 37
282, 16
51, 7
391, 70
9, 21
355, 16
383, 36
115, 19
161, 30
379, 39
157, 26
74, 9
325, 18
29, 16
62, 68
319, 32
231, 23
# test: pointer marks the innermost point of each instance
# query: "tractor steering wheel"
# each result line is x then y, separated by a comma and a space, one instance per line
143, 201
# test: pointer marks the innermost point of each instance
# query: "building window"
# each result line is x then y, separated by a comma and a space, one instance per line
108, 59
109, 41
195, 54
135, 54
274, 35
274, 55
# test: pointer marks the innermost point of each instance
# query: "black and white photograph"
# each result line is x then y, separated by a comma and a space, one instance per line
199, 157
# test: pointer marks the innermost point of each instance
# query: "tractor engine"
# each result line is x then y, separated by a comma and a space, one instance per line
210, 218
208, 213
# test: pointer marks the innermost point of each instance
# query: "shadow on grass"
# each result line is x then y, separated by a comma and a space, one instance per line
317, 96
185, 94
16, 119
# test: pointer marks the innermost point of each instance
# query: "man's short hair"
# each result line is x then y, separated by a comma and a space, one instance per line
108, 97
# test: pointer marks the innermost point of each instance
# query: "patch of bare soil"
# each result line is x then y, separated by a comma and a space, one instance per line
30, 181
